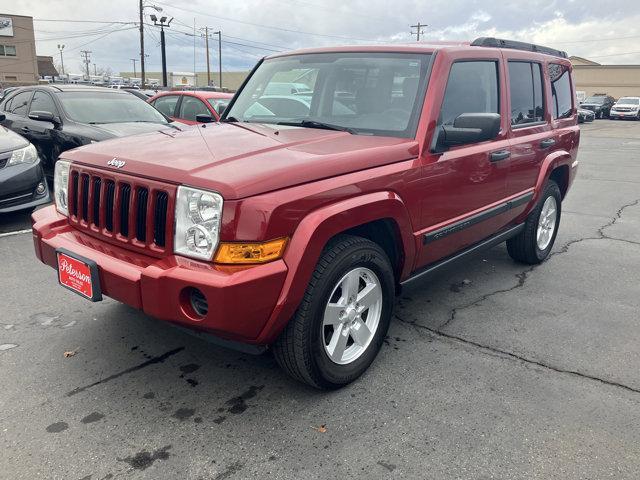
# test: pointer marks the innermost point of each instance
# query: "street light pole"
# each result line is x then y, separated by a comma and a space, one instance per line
142, 6
134, 60
206, 46
60, 49
162, 23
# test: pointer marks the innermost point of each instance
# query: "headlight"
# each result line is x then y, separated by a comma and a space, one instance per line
61, 186
28, 154
197, 215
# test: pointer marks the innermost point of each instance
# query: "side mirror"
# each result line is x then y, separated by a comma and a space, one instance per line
44, 117
469, 128
204, 118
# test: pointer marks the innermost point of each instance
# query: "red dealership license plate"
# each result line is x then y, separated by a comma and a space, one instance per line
79, 275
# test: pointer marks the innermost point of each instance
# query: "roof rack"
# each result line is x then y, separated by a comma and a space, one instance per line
529, 47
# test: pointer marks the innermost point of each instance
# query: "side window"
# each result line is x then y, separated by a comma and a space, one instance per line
167, 105
525, 86
42, 102
20, 102
560, 90
472, 88
191, 107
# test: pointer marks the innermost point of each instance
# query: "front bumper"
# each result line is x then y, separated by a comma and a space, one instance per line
240, 299
617, 114
18, 185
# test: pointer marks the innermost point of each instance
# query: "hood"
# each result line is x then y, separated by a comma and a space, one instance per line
10, 140
241, 160
123, 129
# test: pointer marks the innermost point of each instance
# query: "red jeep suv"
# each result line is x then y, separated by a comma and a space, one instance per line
293, 223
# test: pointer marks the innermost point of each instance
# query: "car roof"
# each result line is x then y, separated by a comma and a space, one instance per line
203, 94
69, 87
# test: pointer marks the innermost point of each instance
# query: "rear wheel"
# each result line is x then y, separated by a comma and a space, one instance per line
343, 318
534, 243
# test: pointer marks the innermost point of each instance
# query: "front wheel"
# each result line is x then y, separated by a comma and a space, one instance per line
533, 244
343, 318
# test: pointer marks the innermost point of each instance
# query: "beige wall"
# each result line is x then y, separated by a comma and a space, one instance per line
230, 80
615, 80
23, 68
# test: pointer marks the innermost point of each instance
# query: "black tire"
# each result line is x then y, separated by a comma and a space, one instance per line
524, 246
300, 349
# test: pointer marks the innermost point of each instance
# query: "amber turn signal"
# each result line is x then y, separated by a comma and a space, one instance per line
245, 253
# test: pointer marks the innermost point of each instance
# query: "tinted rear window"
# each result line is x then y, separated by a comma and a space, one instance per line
562, 99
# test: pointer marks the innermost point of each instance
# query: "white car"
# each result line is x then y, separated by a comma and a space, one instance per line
626, 107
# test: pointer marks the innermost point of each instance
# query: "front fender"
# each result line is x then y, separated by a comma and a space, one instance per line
313, 233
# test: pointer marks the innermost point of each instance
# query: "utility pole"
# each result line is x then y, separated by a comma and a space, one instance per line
206, 47
85, 58
60, 49
95, 70
419, 30
134, 60
141, 43
219, 33
162, 23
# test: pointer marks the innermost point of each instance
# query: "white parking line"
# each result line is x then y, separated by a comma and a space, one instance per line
17, 232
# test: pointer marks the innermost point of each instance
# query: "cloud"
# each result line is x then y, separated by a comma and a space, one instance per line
253, 28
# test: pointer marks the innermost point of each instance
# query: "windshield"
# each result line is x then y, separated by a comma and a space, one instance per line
218, 104
364, 93
629, 101
108, 107
596, 100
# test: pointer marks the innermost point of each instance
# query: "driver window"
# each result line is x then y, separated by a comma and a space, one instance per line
472, 88
42, 102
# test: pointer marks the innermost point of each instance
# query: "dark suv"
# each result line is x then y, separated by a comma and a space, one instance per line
292, 225
600, 105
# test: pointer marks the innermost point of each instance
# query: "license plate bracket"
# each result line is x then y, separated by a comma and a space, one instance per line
78, 274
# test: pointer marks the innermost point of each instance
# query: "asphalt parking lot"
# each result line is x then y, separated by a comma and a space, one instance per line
490, 370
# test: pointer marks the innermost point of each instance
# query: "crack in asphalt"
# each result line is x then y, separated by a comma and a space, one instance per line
522, 278
510, 355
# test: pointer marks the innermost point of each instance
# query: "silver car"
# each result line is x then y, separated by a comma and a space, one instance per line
626, 107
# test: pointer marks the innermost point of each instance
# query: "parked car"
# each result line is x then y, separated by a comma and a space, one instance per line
56, 118
140, 93
296, 232
22, 182
585, 115
192, 107
626, 107
600, 105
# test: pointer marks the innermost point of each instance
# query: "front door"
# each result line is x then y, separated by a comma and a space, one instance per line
465, 187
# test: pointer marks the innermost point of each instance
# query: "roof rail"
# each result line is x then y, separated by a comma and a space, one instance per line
529, 47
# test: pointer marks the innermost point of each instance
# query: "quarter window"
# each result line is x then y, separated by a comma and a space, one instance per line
472, 88
525, 85
560, 90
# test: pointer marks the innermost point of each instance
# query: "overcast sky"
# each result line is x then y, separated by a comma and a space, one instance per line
606, 32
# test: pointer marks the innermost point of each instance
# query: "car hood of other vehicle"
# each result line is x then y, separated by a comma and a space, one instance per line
122, 129
10, 140
241, 160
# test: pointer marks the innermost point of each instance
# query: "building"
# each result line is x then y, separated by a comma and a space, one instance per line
230, 80
615, 80
18, 61
46, 68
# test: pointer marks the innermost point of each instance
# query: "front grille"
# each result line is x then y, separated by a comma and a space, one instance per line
132, 212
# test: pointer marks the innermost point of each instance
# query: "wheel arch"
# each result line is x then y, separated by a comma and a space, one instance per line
373, 216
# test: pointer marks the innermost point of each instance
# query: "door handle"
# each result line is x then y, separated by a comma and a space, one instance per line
549, 142
499, 155
25, 129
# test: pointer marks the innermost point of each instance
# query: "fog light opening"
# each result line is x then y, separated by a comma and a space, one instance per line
198, 302
41, 188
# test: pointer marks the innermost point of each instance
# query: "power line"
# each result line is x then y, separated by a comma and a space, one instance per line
419, 30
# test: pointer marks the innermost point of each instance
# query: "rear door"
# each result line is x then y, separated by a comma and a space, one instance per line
465, 187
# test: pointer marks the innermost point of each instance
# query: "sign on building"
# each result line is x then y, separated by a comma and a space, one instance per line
6, 27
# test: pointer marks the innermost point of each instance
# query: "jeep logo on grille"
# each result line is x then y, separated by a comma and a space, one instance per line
114, 162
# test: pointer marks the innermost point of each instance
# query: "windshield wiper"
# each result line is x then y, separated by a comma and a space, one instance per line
317, 124
230, 120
